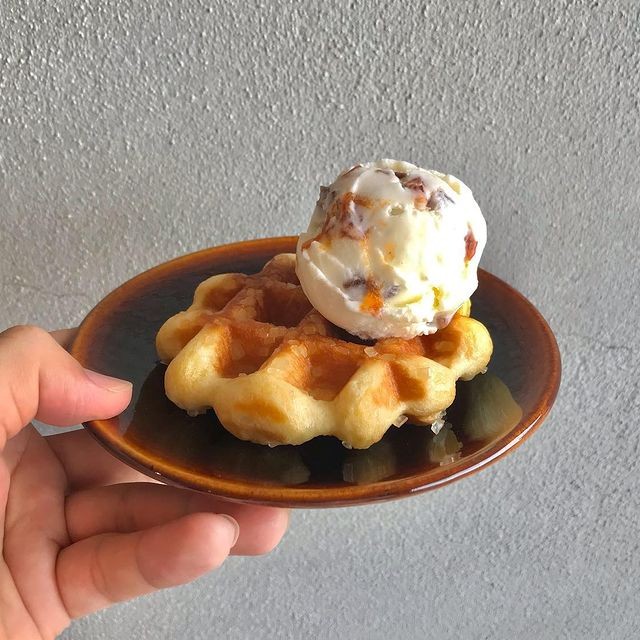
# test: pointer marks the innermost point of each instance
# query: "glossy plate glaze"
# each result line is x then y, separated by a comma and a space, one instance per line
491, 415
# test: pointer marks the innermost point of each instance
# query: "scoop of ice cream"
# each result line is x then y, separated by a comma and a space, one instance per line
391, 250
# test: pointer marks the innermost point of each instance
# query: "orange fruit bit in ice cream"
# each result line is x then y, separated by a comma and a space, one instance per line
372, 302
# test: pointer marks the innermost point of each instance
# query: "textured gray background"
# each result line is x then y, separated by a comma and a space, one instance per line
130, 135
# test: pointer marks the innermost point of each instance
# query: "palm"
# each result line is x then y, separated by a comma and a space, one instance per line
80, 529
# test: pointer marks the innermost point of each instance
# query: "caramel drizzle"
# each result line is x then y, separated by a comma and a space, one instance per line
343, 219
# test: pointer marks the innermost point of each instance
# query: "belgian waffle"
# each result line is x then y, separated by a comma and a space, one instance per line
277, 372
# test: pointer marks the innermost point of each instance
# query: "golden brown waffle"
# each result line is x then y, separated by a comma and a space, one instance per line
276, 372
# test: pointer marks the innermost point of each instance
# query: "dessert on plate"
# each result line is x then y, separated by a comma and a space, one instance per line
366, 327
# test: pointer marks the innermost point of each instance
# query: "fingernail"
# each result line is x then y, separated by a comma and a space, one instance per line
236, 527
107, 382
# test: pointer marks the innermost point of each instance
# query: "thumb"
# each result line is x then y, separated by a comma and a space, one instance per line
39, 379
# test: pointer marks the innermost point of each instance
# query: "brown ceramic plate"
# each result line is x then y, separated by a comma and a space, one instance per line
491, 415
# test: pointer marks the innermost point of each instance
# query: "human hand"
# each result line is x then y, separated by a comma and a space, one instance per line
80, 530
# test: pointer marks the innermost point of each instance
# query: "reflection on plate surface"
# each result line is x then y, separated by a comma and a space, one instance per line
485, 410
488, 415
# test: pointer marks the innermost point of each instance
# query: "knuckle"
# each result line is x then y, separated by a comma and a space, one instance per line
25, 333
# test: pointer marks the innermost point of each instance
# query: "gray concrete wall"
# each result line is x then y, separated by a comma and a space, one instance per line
132, 134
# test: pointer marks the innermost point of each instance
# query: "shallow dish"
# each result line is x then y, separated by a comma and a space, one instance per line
491, 415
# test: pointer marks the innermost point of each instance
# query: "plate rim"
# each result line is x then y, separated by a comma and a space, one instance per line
349, 495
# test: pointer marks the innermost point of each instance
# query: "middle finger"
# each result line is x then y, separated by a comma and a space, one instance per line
88, 464
124, 508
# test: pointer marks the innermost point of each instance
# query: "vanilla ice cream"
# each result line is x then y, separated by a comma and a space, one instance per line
391, 250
